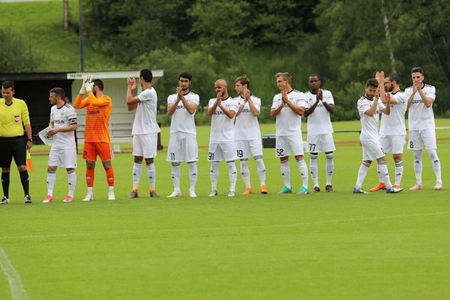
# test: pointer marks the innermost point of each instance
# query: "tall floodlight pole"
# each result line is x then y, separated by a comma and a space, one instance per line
80, 34
66, 14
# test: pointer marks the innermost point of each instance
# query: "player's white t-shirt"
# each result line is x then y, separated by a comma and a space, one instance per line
319, 122
182, 120
394, 123
288, 122
63, 117
420, 117
247, 125
145, 117
369, 124
222, 127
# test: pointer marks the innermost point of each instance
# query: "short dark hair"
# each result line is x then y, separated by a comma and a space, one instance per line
417, 70
8, 84
243, 80
98, 83
394, 77
372, 82
185, 74
147, 75
58, 91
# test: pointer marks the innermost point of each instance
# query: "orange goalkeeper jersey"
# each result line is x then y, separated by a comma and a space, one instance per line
98, 112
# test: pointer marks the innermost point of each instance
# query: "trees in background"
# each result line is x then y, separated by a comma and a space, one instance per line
344, 42
384, 35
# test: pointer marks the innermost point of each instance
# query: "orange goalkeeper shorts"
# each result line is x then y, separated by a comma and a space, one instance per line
94, 149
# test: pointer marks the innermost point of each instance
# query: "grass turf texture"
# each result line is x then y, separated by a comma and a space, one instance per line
317, 246
58, 50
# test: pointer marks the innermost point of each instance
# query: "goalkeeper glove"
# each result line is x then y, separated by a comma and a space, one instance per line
88, 84
83, 89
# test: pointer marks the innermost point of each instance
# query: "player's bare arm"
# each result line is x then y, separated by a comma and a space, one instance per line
383, 96
427, 101
319, 97
172, 107
240, 109
71, 127
392, 99
411, 97
212, 109
329, 107
373, 108
228, 112
372, 92
29, 132
247, 96
191, 107
132, 102
387, 109
275, 111
299, 110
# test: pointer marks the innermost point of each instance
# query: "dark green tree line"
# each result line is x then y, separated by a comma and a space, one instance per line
345, 42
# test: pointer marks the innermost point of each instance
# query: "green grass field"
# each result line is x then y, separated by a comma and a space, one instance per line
317, 246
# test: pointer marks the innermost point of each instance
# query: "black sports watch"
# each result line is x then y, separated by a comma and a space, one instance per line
30, 140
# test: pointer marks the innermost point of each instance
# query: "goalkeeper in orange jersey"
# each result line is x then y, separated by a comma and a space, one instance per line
97, 141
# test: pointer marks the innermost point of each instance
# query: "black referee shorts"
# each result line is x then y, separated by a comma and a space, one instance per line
13, 147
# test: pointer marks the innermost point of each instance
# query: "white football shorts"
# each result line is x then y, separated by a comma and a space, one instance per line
145, 145
284, 144
320, 143
182, 147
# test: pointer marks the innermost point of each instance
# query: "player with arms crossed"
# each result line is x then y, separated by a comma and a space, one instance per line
320, 130
369, 107
145, 129
422, 129
392, 129
223, 109
63, 152
181, 107
97, 141
247, 134
288, 107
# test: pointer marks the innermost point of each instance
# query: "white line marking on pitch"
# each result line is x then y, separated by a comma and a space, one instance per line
15, 283
224, 228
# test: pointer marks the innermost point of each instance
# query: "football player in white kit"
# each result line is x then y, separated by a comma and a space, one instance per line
181, 107
223, 109
247, 134
320, 130
422, 129
392, 129
63, 152
145, 129
369, 107
288, 108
